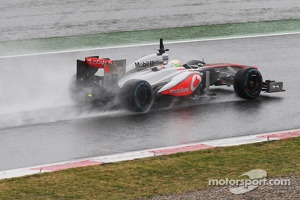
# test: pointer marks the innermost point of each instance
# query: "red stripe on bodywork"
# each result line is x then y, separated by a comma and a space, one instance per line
181, 149
221, 65
59, 167
282, 135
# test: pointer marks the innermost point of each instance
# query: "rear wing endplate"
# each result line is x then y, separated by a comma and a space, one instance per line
110, 75
113, 72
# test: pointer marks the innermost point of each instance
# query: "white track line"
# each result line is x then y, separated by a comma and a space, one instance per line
147, 153
150, 44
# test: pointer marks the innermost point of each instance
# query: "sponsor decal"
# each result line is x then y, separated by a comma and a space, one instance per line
142, 65
98, 62
179, 90
186, 87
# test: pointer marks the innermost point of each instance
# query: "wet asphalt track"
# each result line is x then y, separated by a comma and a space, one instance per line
68, 132
25, 19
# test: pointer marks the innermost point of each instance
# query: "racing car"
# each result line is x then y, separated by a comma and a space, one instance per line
102, 82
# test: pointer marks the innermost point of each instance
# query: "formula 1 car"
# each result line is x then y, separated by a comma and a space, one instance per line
102, 82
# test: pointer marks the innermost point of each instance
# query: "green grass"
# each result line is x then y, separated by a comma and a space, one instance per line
145, 36
171, 174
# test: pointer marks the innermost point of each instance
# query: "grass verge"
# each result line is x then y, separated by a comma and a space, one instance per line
176, 173
9, 48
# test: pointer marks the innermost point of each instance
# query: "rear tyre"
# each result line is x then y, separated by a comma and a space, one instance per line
248, 83
137, 95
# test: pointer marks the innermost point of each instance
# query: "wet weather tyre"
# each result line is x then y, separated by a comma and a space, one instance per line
137, 95
248, 83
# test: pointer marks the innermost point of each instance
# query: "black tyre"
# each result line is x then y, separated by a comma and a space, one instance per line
137, 95
248, 83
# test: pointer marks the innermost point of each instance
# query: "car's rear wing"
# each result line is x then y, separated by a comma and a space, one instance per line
113, 70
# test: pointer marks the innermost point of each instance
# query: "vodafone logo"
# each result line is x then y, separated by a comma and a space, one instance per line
196, 80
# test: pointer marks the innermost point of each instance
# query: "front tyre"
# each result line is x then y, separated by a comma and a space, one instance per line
248, 83
137, 95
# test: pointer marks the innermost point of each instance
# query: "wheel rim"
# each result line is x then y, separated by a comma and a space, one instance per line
142, 96
253, 84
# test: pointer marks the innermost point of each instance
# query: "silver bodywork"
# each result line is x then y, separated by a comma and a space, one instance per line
156, 70
137, 84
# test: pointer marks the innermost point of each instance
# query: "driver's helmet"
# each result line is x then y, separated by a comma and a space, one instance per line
175, 63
